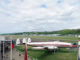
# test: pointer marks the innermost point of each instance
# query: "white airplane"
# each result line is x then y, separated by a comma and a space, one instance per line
50, 45
78, 36
18, 42
24, 40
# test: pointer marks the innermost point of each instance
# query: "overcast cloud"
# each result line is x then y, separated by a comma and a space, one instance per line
38, 15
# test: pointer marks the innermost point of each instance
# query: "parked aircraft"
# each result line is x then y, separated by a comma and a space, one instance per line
50, 45
18, 41
46, 45
24, 40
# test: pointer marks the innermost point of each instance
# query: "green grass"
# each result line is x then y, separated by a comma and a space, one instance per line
61, 54
62, 37
42, 38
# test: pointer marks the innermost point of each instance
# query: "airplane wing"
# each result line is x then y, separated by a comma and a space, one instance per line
51, 47
46, 47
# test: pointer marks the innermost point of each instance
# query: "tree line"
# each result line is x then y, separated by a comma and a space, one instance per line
62, 32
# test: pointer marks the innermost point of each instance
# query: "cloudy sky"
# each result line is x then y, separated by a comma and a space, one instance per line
38, 15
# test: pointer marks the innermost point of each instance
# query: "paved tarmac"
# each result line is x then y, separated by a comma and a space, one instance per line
15, 56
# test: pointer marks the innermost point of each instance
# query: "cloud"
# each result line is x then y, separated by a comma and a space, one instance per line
38, 15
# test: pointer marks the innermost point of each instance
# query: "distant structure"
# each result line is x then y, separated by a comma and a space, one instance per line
42, 35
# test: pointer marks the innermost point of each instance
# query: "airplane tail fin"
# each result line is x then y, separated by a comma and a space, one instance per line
29, 40
17, 41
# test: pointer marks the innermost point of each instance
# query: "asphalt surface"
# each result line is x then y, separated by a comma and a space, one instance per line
15, 55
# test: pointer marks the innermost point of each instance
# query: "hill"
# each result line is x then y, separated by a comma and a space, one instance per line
62, 32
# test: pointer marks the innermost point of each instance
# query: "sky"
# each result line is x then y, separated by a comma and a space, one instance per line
38, 15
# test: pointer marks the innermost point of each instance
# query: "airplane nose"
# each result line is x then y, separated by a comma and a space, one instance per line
74, 46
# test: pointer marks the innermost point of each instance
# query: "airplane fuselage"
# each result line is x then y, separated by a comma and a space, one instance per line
58, 44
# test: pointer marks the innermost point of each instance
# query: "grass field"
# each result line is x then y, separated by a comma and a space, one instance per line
59, 37
62, 37
61, 54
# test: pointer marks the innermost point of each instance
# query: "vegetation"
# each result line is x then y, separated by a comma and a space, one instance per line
62, 32
61, 54
56, 38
